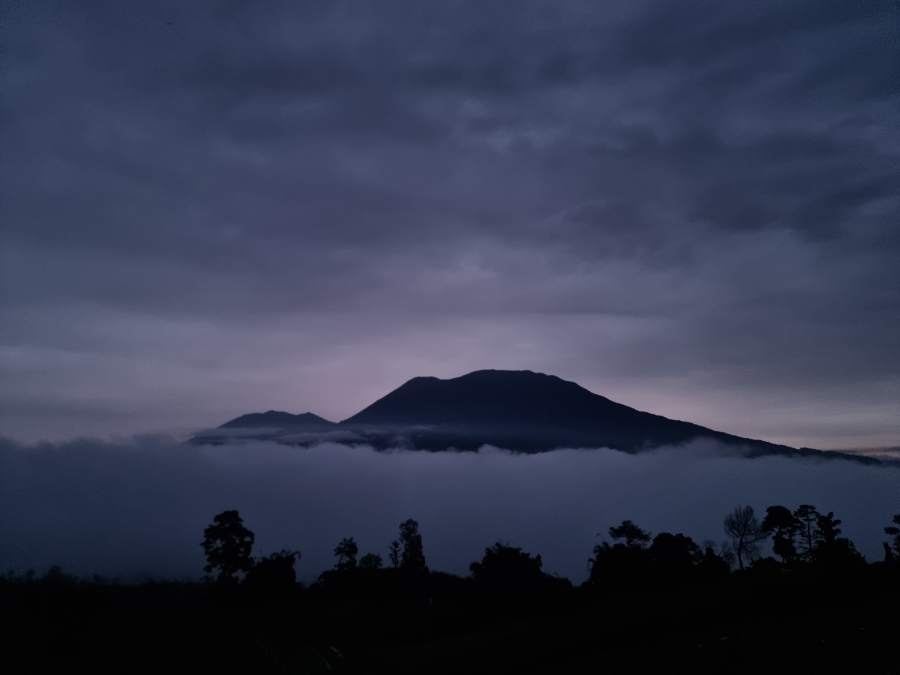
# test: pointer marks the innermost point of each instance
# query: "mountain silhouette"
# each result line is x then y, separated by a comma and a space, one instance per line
275, 425
522, 411
525, 411
277, 419
499, 398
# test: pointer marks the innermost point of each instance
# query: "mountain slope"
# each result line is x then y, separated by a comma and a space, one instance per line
525, 411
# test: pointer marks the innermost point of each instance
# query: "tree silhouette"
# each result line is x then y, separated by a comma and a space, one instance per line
783, 527
711, 566
893, 531
370, 561
412, 557
346, 552
274, 572
807, 519
227, 545
632, 535
663, 603
394, 551
833, 552
674, 555
624, 562
827, 529
745, 533
507, 568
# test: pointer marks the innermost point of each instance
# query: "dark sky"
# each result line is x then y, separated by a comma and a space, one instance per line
210, 208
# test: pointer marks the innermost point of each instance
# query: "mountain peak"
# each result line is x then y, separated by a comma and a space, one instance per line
520, 398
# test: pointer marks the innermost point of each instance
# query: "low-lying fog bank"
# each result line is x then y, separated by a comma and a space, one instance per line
138, 507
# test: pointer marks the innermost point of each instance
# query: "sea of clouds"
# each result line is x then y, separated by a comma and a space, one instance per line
136, 508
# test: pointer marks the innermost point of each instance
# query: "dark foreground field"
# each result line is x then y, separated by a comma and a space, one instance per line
650, 603
388, 622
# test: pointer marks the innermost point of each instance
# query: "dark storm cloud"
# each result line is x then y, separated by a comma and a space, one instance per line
137, 507
217, 207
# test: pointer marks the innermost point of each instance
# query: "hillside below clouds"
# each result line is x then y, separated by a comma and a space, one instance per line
521, 411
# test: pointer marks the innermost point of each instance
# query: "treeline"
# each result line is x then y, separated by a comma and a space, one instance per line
785, 591
783, 541
798, 541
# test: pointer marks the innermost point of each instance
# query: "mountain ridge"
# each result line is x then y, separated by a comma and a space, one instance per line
528, 411
520, 410
276, 418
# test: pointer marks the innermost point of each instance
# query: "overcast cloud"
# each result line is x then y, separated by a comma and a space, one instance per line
211, 208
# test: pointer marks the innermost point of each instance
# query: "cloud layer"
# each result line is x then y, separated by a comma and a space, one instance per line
217, 208
138, 507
